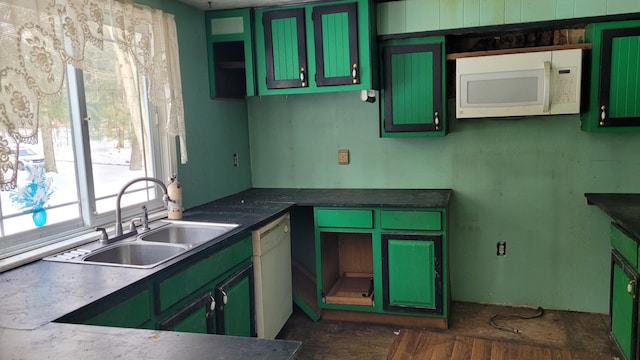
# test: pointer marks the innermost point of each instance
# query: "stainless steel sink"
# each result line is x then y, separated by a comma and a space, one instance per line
166, 240
134, 254
185, 232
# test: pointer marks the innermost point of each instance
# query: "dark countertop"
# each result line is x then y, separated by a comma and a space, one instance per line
34, 295
70, 341
433, 198
624, 209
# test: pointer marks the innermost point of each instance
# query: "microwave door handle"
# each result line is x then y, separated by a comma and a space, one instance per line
547, 87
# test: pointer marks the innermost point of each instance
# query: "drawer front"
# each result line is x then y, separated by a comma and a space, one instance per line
191, 279
345, 218
411, 220
625, 245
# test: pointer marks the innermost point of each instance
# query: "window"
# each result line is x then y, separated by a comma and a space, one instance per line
101, 131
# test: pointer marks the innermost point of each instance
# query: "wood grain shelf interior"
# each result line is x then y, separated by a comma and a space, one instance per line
347, 268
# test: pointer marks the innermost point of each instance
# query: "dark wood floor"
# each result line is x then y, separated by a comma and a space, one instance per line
555, 335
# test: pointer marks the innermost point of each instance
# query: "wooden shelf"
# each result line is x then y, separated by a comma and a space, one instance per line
352, 289
584, 46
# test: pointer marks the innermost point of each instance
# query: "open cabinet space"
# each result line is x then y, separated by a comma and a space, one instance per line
347, 268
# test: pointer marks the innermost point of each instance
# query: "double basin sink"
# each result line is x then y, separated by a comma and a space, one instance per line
148, 249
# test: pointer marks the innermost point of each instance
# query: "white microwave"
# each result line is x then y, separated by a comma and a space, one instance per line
522, 84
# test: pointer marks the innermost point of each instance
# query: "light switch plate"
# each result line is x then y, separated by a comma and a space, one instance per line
343, 156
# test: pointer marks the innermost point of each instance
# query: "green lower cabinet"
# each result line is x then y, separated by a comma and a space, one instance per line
132, 312
126, 308
211, 295
412, 273
224, 307
208, 293
382, 260
234, 304
196, 316
179, 284
624, 306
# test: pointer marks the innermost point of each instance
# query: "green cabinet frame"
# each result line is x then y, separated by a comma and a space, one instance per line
614, 97
316, 48
414, 81
230, 53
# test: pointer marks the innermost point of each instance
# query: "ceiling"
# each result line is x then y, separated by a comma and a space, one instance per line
232, 4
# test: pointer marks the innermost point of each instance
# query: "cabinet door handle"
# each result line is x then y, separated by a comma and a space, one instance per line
436, 120
224, 297
302, 77
354, 73
212, 307
631, 288
603, 114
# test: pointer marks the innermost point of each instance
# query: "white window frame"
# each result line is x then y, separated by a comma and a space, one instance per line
43, 241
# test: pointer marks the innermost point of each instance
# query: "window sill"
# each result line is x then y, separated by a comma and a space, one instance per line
42, 252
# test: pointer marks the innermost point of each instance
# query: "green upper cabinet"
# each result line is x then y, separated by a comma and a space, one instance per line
230, 54
413, 88
316, 48
285, 53
335, 30
614, 97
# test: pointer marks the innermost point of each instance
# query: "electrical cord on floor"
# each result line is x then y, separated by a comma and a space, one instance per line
539, 313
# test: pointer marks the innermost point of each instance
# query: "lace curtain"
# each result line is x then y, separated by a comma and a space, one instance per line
39, 38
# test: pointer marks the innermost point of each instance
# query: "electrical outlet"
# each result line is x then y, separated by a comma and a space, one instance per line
343, 156
501, 248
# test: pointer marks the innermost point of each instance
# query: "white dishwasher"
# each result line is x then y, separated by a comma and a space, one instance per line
272, 276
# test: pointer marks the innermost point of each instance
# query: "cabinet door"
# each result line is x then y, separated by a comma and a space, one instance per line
412, 273
413, 88
234, 304
614, 100
196, 316
285, 53
624, 306
335, 29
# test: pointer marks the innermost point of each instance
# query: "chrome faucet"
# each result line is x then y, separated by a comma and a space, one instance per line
165, 197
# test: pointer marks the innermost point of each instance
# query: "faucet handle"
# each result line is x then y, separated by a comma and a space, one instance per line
132, 224
103, 236
145, 218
